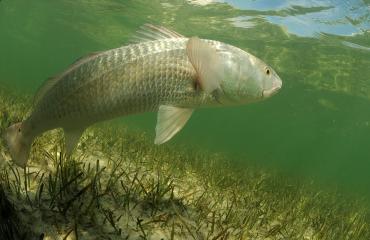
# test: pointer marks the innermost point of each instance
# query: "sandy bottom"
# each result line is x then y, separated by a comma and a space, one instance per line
118, 185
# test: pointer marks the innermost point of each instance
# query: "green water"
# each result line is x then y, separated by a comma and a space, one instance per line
317, 126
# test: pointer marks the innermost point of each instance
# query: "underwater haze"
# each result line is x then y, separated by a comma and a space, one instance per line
317, 126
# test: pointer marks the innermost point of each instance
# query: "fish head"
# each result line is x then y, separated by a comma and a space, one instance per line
247, 78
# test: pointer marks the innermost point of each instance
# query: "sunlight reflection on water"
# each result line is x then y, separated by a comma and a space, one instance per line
306, 18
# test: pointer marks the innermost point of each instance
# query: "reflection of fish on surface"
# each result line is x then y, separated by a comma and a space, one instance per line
356, 46
327, 104
163, 71
201, 2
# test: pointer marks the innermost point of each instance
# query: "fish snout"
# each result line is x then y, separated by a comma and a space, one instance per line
276, 85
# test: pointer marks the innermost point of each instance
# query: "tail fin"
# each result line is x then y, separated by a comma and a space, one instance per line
19, 143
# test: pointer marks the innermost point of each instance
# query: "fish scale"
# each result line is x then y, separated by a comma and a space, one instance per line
145, 76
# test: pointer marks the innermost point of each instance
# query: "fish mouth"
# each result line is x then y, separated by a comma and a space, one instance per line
273, 90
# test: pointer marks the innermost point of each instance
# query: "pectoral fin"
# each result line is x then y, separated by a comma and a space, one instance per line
170, 120
72, 136
206, 62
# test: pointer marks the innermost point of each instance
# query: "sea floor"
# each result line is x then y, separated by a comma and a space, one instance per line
118, 185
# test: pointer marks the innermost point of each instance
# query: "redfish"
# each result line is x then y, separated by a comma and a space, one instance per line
161, 71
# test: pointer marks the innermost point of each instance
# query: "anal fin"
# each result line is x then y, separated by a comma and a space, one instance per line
72, 136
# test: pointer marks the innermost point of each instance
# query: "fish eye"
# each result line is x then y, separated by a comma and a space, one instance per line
19, 129
267, 70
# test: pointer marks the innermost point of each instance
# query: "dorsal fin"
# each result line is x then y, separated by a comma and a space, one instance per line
149, 32
50, 82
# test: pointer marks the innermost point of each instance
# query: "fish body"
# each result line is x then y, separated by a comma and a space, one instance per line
164, 72
128, 80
